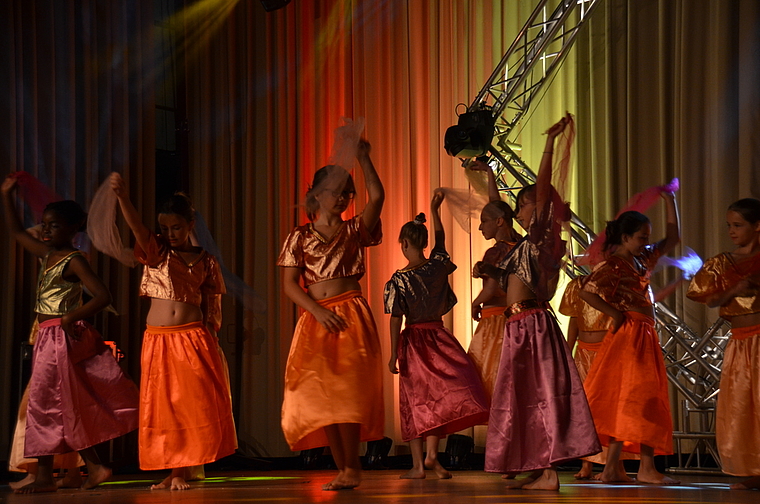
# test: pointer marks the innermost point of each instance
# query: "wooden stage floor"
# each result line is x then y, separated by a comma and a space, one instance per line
380, 487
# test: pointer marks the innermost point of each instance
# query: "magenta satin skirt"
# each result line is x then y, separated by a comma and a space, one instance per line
78, 394
539, 413
440, 391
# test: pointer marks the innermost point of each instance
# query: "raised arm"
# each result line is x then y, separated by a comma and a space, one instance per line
435, 216
135, 223
375, 190
493, 189
544, 178
673, 229
13, 223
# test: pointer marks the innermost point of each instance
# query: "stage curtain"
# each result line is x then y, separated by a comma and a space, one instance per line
77, 104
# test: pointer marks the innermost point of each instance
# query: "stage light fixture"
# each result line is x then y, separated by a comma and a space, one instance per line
270, 5
472, 135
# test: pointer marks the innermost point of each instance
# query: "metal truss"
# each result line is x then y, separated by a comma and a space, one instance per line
693, 361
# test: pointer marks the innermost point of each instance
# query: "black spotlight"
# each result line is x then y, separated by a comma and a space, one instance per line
270, 5
377, 452
458, 447
472, 135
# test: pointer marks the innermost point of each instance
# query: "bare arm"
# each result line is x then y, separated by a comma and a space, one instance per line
435, 216
101, 297
667, 290
13, 223
395, 326
328, 319
603, 306
135, 223
493, 189
572, 332
489, 291
673, 232
375, 190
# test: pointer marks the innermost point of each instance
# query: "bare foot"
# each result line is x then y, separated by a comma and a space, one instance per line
509, 476
173, 483
97, 476
37, 487
519, 483
750, 484
18, 484
586, 472
614, 475
548, 481
73, 479
655, 478
414, 473
438, 468
347, 479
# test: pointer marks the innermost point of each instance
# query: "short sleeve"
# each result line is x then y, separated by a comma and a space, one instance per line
603, 281
439, 254
157, 250
368, 238
393, 300
291, 254
214, 282
571, 298
711, 279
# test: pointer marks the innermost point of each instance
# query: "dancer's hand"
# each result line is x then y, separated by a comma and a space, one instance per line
68, 327
363, 149
559, 127
393, 364
9, 184
330, 320
476, 310
617, 321
438, 197
478, 165
118, 185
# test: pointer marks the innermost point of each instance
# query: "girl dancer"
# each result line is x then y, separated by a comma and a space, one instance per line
488, 306
627, 387
732, 281
78, 395
439, 390
185, 408
333, 379
539, 414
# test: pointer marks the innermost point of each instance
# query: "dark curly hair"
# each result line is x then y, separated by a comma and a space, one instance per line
70, 211
627, 224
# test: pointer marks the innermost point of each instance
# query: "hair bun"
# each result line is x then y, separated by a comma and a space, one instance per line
420, 219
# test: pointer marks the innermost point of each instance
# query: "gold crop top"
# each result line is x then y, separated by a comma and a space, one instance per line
621, 284
166, 275
717, 275
589, 318
55, 295
320, 258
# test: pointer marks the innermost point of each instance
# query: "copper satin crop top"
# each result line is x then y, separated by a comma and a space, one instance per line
339, 256
621, 284
589, 318
166, 275
421, 293
498, 252
56, 295
717, 275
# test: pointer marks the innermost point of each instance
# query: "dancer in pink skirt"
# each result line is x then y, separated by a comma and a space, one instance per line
78, 395
440, 391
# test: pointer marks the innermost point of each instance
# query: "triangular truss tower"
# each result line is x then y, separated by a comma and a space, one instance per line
693, 361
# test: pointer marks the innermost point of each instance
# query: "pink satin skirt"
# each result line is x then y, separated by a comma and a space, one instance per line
737, 418
78, 394
539, 414
439, 388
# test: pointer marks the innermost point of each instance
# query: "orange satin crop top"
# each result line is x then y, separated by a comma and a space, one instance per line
623, 285
498, 252
717, 275
589, 318
56, 295
339, 256
166, 275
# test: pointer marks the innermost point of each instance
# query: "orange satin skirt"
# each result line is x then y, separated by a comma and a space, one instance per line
185, 407
334, 378
737, 417
585, 353
485, 347
627, 388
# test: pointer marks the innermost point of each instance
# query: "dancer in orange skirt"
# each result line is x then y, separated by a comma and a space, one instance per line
731, 280
586, 331
627, 386
488, 306
333, 378
440, 391
185, 408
